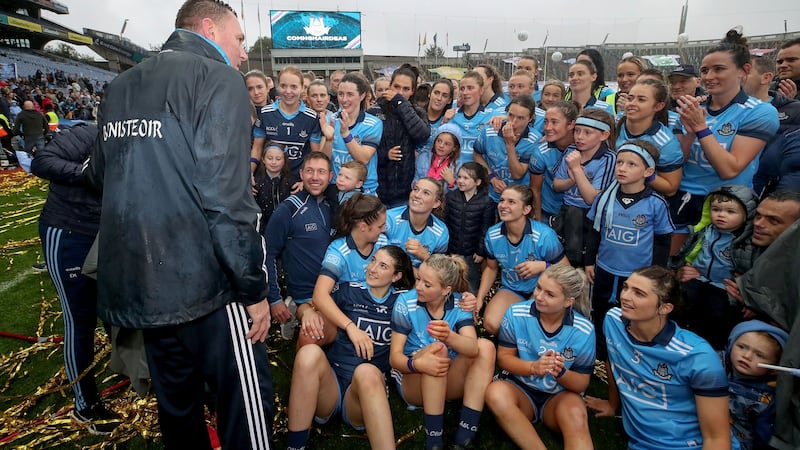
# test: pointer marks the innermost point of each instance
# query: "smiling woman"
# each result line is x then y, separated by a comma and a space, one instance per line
646, 348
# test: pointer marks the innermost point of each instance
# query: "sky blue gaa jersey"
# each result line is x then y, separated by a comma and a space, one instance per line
344, 263
670, 154
544, 160
744, 116
575, 341
658, 381
628, 244
539, 243
411, 319
492, 147
371, 315
471, 128
294, 131
367, 130
599, 170
496, 107
434, 236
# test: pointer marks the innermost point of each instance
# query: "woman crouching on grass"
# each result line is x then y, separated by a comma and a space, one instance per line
436, 354
546, 348
350, 377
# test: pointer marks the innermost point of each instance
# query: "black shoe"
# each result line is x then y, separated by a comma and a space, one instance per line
96, 419
40, 267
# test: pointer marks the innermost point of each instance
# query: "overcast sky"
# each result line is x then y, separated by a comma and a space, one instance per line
393, 27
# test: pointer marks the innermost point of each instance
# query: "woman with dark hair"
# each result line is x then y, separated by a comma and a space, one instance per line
359, 228
685, 403
440, 100
518, 247
599, 88
492, 100
404, 129
353, 121
724, 134
350, 377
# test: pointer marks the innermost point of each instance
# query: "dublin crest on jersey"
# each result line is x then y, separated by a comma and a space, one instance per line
726, 130
640, 220
662, 371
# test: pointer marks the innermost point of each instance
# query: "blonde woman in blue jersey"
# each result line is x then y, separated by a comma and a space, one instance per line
724, 134
470, 116
546, 352
349, 378
646, 117
669, 382
436, 354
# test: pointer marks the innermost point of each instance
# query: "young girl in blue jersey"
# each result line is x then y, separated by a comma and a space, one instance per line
440, 101
559, 126
287, 122
520, 248
646, 118
435, 352
582, 75
359, 228
724, 134
350, 376
492, 101
634, 226
272, 184
414, 227
469, 212
470, 116
351, 133
507, 151
670, 383
585, 170
546, 352
404, 129
442, 161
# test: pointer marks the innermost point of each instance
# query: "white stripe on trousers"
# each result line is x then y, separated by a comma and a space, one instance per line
52, 242
248, 376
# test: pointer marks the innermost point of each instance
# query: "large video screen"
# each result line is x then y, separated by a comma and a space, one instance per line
315, 29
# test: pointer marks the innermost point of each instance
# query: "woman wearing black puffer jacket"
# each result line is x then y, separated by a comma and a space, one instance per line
405, 127
469, 212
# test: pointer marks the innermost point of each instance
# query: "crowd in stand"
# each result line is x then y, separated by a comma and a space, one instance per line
399, 223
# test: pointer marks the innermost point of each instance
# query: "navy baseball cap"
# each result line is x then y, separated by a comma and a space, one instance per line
685, 70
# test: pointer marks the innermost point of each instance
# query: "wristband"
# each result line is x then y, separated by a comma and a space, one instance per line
492, 176
563, 371
348, 139
348, 324
410, 364
547, 264
254, 161
703, 133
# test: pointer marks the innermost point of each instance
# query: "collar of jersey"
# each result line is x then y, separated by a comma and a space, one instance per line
210, 42
528, 228
406, 215
741, 98
654, 128
569, 316
662, 338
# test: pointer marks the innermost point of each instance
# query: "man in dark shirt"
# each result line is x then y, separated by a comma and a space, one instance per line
32, 126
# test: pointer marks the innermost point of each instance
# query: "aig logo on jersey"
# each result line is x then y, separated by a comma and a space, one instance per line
627, 236
639, 389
